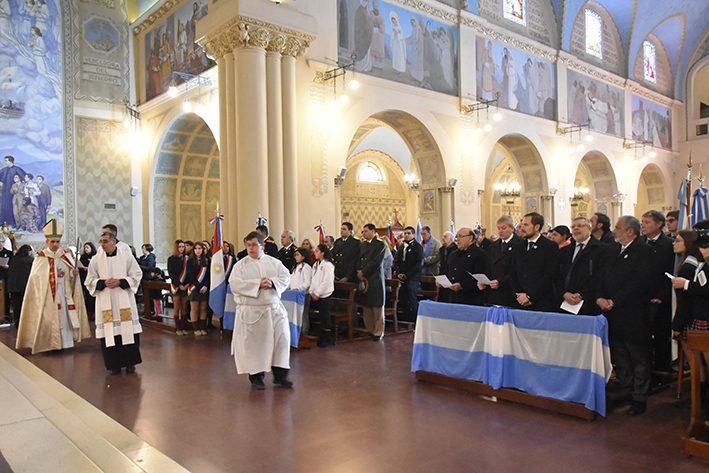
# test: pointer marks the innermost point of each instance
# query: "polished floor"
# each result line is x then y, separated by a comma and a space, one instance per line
355, 408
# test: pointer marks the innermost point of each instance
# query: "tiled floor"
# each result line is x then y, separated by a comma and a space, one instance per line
355, 408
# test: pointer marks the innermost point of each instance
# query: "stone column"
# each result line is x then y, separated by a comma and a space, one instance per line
446, 196
251, 131
292, 48
616, 211
223, 134
275, 135
548, 208
228, 181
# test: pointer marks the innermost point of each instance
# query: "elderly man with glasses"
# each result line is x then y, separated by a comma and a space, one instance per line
467, 260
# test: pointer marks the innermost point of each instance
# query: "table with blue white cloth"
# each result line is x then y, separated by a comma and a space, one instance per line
293, 301
556, 356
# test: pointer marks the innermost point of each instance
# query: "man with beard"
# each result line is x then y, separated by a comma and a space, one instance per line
379, 28
7, 178
364, 32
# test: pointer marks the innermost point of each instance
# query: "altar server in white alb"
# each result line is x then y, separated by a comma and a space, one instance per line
261, 332
53, 312
113, 280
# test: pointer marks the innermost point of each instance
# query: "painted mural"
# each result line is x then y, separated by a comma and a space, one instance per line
171, 47
524, 83
595, 102
31, 175
652, 122
397, 44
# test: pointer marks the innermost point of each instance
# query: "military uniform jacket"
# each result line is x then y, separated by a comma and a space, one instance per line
287, 256
535, 272
583, 275
345, 253
371, 263
269, 247
498, 268
461, 265
411, 265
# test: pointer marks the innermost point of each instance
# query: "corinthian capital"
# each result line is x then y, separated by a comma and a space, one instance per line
259, 37
277, 43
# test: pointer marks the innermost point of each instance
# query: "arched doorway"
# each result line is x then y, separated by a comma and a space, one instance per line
184, 184
516, 182
399, 145
652, 191
594, 186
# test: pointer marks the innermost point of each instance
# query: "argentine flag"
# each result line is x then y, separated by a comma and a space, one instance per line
218, 282
419, 229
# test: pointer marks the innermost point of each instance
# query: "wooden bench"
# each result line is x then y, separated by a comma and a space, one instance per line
341, 308
155, 320
429, 294
696, 442
391, 303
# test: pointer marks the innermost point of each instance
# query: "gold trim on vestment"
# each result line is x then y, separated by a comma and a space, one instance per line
126, 315
107, 316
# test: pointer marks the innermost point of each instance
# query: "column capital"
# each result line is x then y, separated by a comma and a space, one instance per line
243, 31
445, 190
547, 197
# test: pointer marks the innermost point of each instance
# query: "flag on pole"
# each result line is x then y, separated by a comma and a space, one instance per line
453, 227
321, 232
683, 210
217, 282
419, 229
390, 235
261, 220
700, 206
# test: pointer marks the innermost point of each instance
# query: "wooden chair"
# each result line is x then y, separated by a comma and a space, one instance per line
391, 303
428, 294
695, 444
341, 308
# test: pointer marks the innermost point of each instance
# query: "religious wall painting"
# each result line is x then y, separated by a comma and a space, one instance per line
524, 83
429, 201
101, 35
211, 199
190, 222
430, 171
594, 33
602, 208
170, 48
595, 102
397, 44
175, 142
419, 141
191, 191
168, 163
164, 216
195, 166
649, 62
651, 122
533, 181
202, 145
31, 120
214, 169
604, 190
531, 205
515, 11
656, 195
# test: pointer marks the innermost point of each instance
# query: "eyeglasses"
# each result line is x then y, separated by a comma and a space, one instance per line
463, 236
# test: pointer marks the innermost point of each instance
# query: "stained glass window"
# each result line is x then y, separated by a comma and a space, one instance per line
515, 10
370, 172
649, 61
594, 34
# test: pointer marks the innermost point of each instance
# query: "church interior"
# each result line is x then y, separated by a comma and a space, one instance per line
157, 115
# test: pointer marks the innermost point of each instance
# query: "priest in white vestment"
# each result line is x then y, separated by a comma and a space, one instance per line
261, 339
113, 279
53, 312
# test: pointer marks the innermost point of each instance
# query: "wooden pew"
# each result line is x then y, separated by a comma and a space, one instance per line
341, 308
696, 442
429, 294
391, 303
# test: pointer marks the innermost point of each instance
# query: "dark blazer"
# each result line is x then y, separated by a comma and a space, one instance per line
269, 247
608, 238
485, 244
5, 253
18, 274
444, 253
684, 315
193, 270
371, 263
535, 272
345, 254
174, 268
583, 275
624, 283
287, 256
411, 267
498, 268
663, 261
700, 296
146, 263
461, 264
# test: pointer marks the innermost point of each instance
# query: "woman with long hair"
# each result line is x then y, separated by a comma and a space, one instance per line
198, 278
177, 270
691, 257
321, 288
303, 271
85, 258
308, 245
229, 258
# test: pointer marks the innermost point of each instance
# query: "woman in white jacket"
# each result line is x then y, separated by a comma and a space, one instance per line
303, 271
321, 288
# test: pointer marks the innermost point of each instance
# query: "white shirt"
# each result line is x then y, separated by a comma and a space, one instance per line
301, 277
323, 282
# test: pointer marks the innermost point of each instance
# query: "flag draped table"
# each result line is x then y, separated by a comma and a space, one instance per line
556, 356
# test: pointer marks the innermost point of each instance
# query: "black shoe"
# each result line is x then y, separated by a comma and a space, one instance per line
130, 369
637, 408
258, 384
283, 382
377, 338
114, 372
619, 402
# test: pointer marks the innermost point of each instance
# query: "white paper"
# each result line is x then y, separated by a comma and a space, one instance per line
4, 261
480, 277
443, 281
668, 275
574, 309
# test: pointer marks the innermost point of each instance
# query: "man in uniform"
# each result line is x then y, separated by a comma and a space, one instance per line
467, 260
408, 267
113, 279
499, 262
346, 255
287, 253
261, 340
330, 242
371, 270
269, 244
53, 312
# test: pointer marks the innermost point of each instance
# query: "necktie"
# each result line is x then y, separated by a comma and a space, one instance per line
579, 249
504, 246
529, 245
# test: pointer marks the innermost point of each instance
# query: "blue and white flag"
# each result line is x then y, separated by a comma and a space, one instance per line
261, 220
217, 281
229, 310
419, 229
700, 206
452, 227
683, 210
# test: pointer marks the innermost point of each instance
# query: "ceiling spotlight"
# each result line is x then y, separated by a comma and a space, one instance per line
653, 154
344, 99
172, 90
497, 116
487, 127
354, 83
589, 137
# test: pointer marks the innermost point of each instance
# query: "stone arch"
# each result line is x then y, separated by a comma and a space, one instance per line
663, 67
184, 183
653, 192
514, 158
596, 174
697, 127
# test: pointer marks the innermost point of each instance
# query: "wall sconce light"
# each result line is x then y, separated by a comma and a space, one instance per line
452, 182
562, 130
341, 71
412, 181
131, 115
482, 104
635, 145
186, 103
340, 178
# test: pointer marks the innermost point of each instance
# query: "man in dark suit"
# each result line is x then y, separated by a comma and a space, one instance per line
601, 228
481, 240
582, 265
653, 223
371, 269
447, 247
499, 261
287, 253
408, 267
624, 298
467, 260
535, 267
346, 255
269, 245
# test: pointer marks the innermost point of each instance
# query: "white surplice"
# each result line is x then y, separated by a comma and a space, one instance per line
116, 311
261, 330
